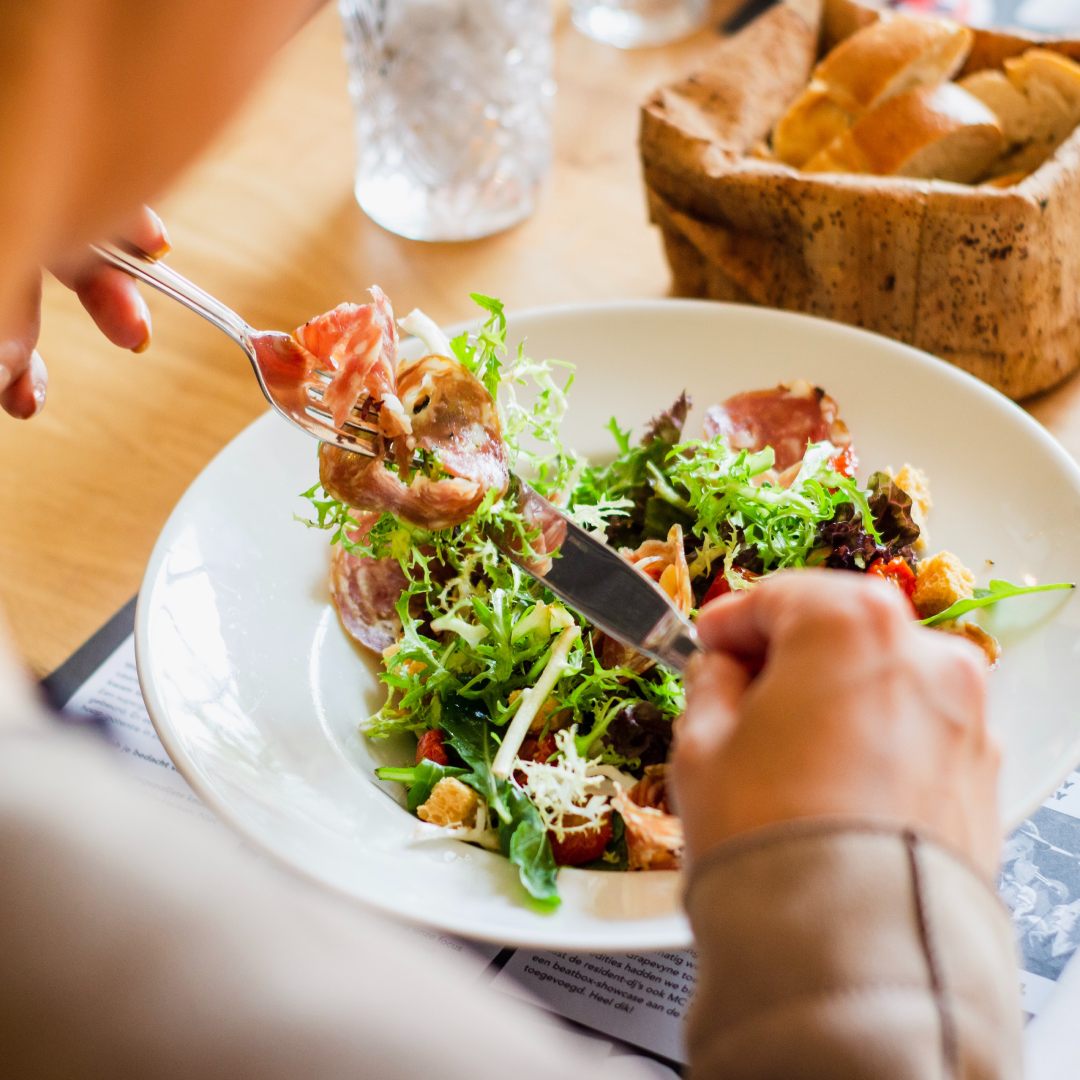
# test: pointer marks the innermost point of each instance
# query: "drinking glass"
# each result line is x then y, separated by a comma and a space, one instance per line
452, 104
629, 24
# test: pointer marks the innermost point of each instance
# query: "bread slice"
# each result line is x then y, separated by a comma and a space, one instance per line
1037, 101
934, 132
886, 58
891, 56
810, 124
1010, 105
1044, 65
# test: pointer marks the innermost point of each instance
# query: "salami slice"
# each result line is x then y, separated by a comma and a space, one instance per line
787, 418
452, 418
358, 343
364, 592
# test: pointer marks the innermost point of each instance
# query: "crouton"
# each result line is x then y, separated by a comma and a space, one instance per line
977, 636
451, 803
941, 581
913, 482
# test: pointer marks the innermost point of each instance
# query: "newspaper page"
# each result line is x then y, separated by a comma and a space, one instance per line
1040, 884
639, 1000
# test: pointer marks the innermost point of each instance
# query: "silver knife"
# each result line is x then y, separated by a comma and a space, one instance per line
598, 583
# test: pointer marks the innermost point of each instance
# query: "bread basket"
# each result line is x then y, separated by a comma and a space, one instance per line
985, 277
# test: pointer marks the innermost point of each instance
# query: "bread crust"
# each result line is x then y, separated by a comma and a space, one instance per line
933, 131
985, 277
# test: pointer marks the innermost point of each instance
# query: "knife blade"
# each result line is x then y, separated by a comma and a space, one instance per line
597, 582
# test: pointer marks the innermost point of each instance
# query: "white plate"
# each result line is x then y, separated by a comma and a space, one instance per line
256, 692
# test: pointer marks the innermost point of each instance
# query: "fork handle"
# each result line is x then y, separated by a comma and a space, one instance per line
167, 280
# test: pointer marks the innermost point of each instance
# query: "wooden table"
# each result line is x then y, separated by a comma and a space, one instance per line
267, 221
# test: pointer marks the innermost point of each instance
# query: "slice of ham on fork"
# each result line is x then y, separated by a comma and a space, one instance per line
787, 418
358, 343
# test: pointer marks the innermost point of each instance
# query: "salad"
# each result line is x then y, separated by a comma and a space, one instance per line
469, 642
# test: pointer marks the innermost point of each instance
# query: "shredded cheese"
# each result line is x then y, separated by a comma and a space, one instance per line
567, 791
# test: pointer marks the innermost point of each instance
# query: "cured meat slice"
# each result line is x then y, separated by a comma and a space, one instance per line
367, 484
454, 419
365, 592
654, 839
787, 418
358, 343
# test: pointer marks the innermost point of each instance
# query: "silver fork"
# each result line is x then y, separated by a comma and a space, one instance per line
591, 577
293, 388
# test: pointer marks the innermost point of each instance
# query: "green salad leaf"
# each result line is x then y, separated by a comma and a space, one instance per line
468, 731
524, 840
993, 594
420, 779
521, 831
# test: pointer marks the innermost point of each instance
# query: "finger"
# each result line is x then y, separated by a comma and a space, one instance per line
957, 682
25, 396
147, 232
807, 607
114, 303
110, 296
144, 230
730, 625
715, 685
16, 349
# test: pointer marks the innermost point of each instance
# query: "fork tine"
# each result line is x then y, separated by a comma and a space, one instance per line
364, 407
357, 439
366, 415
324, 416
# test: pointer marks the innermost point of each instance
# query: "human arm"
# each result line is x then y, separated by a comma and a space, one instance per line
841, 829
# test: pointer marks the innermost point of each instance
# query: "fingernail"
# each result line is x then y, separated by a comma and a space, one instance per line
144, 316
165, 247
39, 381
5, 377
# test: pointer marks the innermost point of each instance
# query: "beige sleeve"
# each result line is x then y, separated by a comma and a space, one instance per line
137, 942
830, 949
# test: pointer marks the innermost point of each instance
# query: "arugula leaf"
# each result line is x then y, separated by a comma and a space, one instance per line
983, 598
468, 731
420, 779
524, 840
521, 831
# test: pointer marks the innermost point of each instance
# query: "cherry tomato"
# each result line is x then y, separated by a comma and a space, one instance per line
535, 749
897, 572
846, 463
432, 746
587, 846
721, 587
